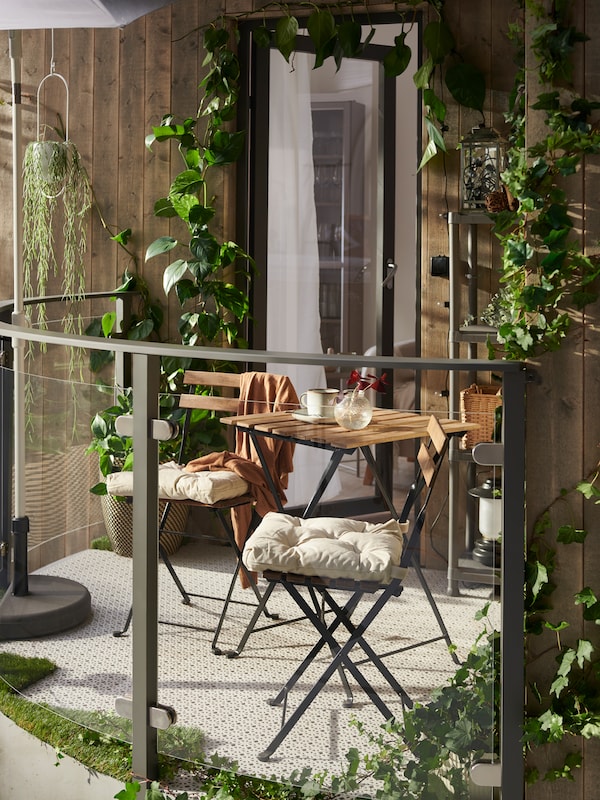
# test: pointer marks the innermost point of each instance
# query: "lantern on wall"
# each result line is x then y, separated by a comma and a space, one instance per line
481, 164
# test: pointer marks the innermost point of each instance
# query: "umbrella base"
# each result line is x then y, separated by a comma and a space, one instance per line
52, 605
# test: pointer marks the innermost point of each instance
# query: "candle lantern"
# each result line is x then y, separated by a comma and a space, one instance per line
481, 164
489, 495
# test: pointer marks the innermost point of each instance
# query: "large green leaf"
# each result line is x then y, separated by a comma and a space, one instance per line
225, 148
438, 39
466, 84
286, 31
348, 36
321, 27
159, 246
397, 60
262, 37
164, 208
205, 247
108, 323
437, 106
188, 182
173, 273
422, 76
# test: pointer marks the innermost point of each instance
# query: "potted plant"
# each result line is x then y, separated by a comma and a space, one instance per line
115, 453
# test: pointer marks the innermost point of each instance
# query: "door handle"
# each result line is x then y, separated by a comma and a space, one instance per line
392, 269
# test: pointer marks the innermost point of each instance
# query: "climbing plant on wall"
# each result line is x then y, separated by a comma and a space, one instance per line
546, 274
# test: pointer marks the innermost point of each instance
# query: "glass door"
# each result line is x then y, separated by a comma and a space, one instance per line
332, 210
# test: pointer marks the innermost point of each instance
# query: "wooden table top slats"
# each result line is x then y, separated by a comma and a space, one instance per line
387, 425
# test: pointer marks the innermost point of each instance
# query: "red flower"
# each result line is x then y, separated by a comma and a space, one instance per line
362, 383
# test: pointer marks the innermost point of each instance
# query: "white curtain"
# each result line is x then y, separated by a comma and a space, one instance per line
293, 322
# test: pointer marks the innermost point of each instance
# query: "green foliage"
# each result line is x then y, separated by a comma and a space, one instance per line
567, 705
341, 38
546, 275
202, 276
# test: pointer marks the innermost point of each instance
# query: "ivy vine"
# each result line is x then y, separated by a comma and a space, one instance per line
545, 274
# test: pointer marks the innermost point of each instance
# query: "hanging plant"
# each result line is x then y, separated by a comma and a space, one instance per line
56, 201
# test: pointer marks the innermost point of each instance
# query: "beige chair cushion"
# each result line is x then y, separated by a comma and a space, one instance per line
329, 547
176, 484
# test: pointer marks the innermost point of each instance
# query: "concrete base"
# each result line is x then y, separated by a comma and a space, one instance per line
28, 769
52, 605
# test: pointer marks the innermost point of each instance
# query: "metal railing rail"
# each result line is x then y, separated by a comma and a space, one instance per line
146, 376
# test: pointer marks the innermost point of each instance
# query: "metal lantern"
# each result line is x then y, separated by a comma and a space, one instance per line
481, 163
489, 495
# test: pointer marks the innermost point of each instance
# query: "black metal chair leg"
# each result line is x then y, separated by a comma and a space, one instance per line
125, 627
341, 657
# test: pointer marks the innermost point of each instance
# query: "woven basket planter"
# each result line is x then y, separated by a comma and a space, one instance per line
118, 520
478, 404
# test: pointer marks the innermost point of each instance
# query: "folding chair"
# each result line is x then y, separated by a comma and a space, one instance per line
202, 490
326, 554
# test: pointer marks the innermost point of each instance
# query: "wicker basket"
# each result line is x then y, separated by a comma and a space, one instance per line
118, 520
478, 404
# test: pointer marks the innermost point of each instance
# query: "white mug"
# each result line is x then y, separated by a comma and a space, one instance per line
319, 402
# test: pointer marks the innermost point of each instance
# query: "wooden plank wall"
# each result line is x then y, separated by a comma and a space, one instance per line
123, 81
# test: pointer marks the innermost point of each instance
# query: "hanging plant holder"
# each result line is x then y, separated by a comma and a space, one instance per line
56, 201
50, 158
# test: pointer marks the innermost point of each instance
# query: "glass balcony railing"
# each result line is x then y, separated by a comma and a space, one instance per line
215, 710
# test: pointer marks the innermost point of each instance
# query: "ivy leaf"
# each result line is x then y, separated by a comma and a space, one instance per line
189, 181
173, 273
397, 60
286, 31
584, 651
588, 490
159, 246
466, 84
585, 597
438, 39
122, 237
569, 534
540, 579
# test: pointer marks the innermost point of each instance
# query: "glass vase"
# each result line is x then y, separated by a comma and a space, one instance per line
354, 411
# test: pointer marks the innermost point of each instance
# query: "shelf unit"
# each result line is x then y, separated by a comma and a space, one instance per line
461, 565
339, 159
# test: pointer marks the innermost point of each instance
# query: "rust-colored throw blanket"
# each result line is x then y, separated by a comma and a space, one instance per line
259, 392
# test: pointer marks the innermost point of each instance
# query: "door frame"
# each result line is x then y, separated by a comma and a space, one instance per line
252, 221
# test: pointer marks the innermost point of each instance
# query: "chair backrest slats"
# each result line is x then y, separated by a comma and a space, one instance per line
199, 378
210, 402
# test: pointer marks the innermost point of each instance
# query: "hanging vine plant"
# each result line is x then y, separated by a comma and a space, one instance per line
56, 202
57, 198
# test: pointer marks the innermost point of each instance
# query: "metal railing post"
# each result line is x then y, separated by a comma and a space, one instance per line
146, 381
512, 670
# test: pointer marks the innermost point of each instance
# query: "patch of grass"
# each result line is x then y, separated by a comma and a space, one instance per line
101, 543
20, 672
96, 739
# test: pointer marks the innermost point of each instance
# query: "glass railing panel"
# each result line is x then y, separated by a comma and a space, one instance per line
223, 713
